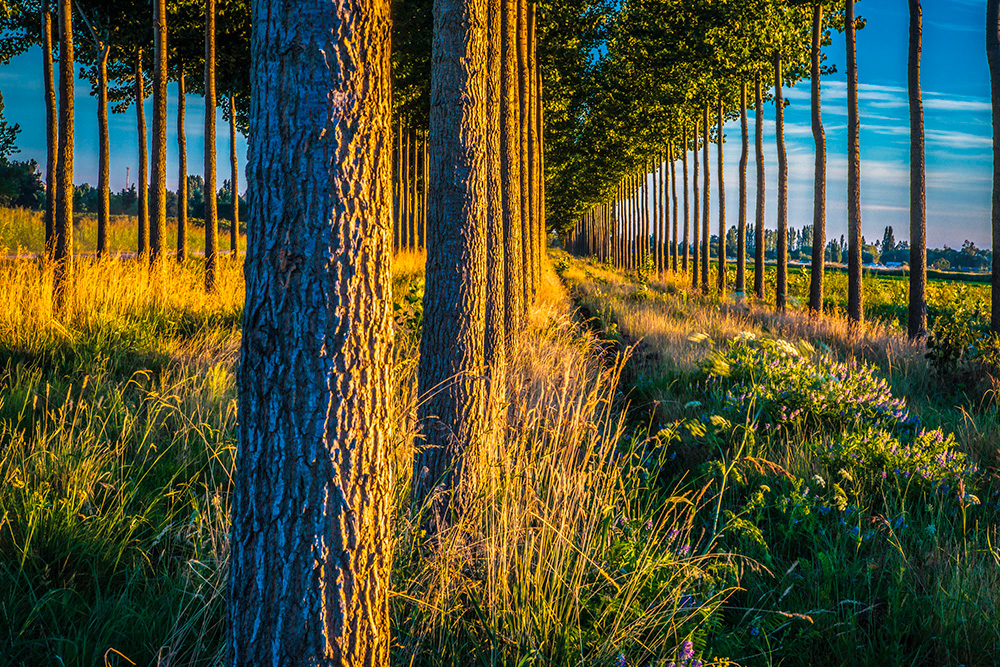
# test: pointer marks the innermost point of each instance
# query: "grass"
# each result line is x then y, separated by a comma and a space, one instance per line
848, 565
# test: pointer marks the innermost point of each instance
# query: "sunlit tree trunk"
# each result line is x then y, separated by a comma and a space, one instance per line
781, 293
182, 193
211, 209
696, 247
819, 178
918, 200
855, 310
758, 261
310, 546
722, 206
993, 56
741, 236
524, 97
234, 180
706, 202
451, 367
51, 130
673, 191
158, 219
64, 199
143, 178
103, 152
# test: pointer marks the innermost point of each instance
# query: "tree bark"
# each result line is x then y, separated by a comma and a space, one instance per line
855, 310
696, 247
532, 75
158, 221
993, 56
524, 93
819, 179
211, 209
758, 262
781, 292
51, 131
182, 193
64, 199
311, 513
918, 201
451, 372
143, 177
706, 202
741, 236
673, 188
234, 180
722, 206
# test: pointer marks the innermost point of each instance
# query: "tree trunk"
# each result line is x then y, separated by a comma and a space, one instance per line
524, 93
855, 307
706, 202
696, 247
993, 56
423, 213
819, 180
397, 183
211, 209
722, 206
158, 221
758, 255
104, 152
451, 348
64, 198
143, 178
781, 292
918, 200
234, 181
741, 237
311, 511
532, 67
182, 193
536, 143
673, 188
51, 131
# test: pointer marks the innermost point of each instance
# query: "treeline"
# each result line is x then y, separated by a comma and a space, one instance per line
648, 136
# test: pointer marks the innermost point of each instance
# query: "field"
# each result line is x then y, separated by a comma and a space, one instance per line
676, 474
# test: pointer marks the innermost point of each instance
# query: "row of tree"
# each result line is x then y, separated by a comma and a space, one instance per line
709, 55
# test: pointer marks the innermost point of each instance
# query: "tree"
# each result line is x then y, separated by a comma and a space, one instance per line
234, 180
993, 55
917, 325
182, 175
741, 237
451, 368
722, 201
64, 199
143, 177
515, 307
819, 178
211, 205
758, 267
51, 129
102, 51
854, 305
310, 555
158, 220
781, 291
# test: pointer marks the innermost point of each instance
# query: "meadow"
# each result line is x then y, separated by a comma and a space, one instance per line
684, 481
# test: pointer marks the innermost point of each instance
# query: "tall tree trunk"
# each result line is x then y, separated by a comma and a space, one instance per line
855, 308
234, 180
524, 98
741, 237
397, 186
819, 179
758, 254
918, 200
532, 75
451, 347
722, 206
51, 131
311, 512
182, 193
993, 56
673, 189
696, 247
104, 152
64, 198
143, 178
781, 293
423, 212
706, 202
158, 221
211, 208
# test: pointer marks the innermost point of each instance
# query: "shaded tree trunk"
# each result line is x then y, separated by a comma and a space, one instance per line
819, 178
781, 292
918, 201
706, 202
51, 130
211, 207
696, 247
524, 97
687, 210
311, 510
103, 152
182, 193
855, 310
758, 261
63, 230
451, 367
673, 188
158, 221
993, 56
234, 180
741, 236
722, 206
143, 177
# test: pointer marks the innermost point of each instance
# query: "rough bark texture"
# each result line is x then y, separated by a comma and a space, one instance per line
63, 230
918, 201
311, 512
706, 203
854, 305
695, 246
536, 144
158, 219
451, 372
51, 130
211, 209
722, 205
819, 177
182, 193
741, 236
143, 177
234, 180
758, 256
781, 291
524, 93
103, 152
993, 56
673, 192
687, 208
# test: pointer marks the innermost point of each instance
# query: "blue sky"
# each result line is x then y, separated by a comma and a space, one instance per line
956, 98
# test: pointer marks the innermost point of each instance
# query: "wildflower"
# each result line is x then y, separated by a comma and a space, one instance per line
621, 661
931, 530
754, 632
687, 650
696, 663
